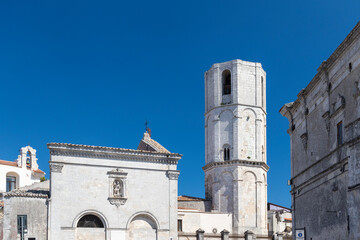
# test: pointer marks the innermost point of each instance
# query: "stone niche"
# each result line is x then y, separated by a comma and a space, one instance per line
117, 187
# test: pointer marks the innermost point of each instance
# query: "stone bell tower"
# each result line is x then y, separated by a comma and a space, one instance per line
235, 143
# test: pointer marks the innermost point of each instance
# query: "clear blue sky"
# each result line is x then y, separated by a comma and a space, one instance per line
91, 72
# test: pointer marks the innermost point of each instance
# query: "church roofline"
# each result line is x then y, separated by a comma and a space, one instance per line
68, 149
14, 164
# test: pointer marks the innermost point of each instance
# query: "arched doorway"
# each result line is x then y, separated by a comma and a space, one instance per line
90, 227
142, 227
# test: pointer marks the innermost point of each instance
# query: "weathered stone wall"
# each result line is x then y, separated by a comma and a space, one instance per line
325, 171
36, 211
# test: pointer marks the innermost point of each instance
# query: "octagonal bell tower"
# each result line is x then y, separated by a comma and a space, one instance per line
235, 143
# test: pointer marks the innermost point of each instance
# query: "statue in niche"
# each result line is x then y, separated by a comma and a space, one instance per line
117, 188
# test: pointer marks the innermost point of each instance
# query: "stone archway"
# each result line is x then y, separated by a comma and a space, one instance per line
142, 227
90, 227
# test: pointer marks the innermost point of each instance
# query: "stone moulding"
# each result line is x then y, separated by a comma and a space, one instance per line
238, 162
56, 167
117, 201
165, 159
117, 173
338, 105
173, 175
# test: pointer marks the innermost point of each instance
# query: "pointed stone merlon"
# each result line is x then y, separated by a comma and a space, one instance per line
249, 235
200, 234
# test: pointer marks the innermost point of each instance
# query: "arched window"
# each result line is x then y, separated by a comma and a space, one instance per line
11, 181
90, 221
28, 160
226, 151
226, 82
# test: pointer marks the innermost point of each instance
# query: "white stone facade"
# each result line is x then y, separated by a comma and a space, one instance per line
25, 169
133, 192
324, 128
235, 143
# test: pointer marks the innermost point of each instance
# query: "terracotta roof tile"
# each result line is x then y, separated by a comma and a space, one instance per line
149, 144
3, 162
38, 171
188, 198
28, 193
184, 208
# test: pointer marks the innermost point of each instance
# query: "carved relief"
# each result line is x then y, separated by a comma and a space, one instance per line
117, 187
56, 167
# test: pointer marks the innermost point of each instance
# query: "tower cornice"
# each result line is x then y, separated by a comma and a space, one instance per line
262, 165
235, 104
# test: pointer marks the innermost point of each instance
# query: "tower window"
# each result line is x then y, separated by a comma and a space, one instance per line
226, 153
339, 134
226, 82
180, 225
262, 92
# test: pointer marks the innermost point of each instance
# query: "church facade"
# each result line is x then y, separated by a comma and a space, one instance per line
113, 193
126, 194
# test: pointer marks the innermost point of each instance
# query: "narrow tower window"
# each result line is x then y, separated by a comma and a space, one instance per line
339, 134
226, 153
226, 82
262, 92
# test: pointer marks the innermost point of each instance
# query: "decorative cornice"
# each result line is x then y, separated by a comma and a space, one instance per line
326, 65
56, 167
117, 201
74, 150
117, 173
173, 175
70, 146
237, 162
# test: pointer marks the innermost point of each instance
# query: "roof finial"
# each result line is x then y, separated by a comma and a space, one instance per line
148, 130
